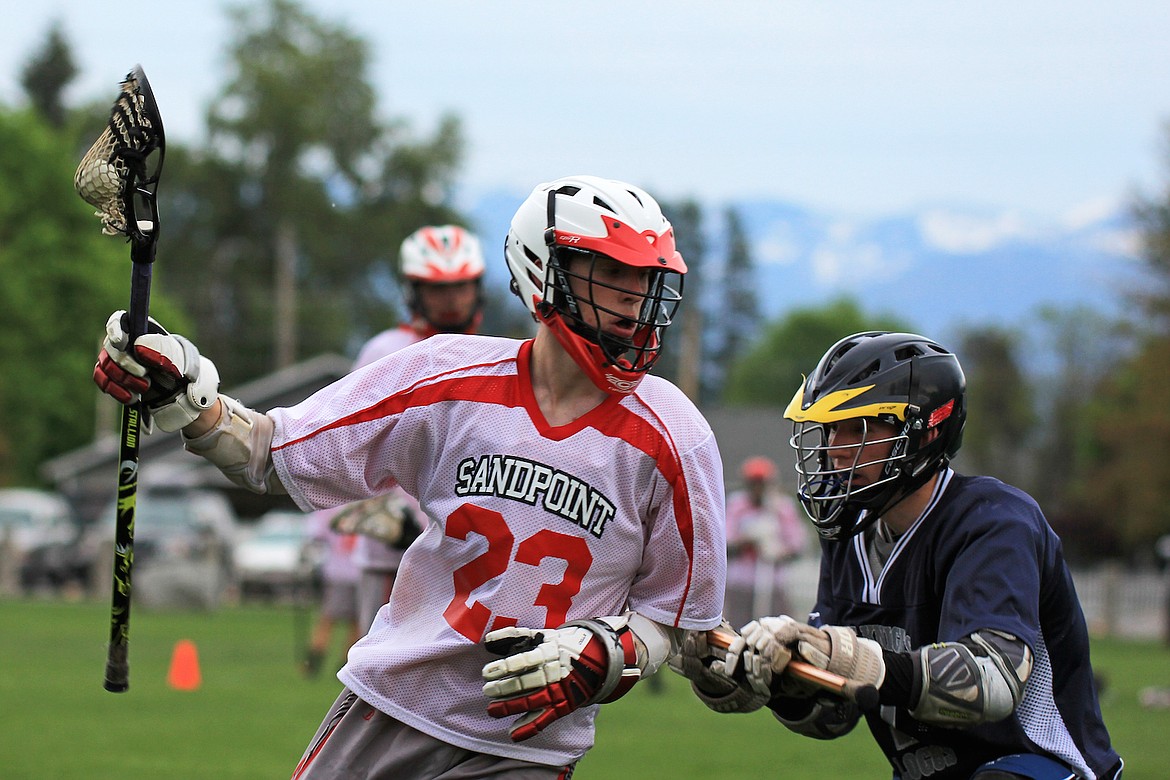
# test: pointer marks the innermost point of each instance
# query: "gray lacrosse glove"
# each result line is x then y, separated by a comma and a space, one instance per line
841, 651
704, 665
763, 651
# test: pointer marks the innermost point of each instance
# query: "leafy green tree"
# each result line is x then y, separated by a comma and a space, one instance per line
1078, 348
285, 228
62, 278
771, 371
1128, 477
45, 76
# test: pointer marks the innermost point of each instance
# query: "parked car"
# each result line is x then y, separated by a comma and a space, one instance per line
38, 534
184, 541
276, 558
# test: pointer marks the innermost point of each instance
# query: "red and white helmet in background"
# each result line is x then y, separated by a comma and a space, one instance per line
758, 469
586, 216
444, 254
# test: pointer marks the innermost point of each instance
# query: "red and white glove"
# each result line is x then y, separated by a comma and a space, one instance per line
548, 673
163, 370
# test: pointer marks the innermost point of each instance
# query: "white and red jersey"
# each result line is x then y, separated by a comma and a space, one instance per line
370, 553
772, 532
530, 524
385, 343
337, 561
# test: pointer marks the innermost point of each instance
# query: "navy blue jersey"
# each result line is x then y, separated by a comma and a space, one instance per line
982, 556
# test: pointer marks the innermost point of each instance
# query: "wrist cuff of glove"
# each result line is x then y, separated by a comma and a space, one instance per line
738, 699
622, 670
790, 709
181, 410
820, 718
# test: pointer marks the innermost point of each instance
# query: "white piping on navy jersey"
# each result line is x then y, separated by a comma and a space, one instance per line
873, 588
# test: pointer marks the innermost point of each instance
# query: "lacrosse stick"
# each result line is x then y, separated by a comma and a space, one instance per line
865, 696
118, 177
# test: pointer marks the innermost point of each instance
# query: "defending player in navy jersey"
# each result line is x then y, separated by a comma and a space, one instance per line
949, 593
573, 503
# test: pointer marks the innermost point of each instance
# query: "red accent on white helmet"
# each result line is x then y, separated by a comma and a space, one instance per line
758, 468
441, 254
587, 214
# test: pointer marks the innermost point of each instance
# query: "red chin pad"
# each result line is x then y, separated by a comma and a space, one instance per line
616, 379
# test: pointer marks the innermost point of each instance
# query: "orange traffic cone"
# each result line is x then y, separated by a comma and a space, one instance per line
184, 672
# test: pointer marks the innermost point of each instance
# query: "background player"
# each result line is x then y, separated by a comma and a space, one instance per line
339, 578
442, 269
949, 592
575, 503
764, 534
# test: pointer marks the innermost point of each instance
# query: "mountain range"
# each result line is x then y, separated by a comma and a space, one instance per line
939, 269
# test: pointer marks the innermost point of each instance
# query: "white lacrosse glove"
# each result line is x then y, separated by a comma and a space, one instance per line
165, 371
762, 651
548, 673
705, 666
841, 651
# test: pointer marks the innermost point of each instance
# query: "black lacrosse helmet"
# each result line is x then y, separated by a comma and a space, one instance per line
904, 379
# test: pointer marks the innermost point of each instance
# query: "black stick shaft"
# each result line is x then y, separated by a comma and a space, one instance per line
117, 658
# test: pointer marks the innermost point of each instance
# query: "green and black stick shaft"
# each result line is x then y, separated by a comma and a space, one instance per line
119, 176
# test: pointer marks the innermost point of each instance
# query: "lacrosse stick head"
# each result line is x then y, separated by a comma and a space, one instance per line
119, 174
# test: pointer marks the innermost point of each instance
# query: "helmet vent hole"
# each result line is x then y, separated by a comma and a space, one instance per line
906, 353
532, 256
599, 202
868, 371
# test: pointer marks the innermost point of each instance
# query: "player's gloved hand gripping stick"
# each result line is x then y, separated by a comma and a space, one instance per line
545, 674
119, 177
865, 695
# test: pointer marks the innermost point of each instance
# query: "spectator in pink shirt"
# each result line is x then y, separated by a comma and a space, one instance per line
764, 533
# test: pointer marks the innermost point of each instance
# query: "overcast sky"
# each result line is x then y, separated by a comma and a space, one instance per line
866, 107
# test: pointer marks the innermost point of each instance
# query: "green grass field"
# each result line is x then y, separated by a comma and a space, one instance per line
254, 713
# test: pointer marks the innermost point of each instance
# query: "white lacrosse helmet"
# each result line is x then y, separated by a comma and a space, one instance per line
443, 254
586, 216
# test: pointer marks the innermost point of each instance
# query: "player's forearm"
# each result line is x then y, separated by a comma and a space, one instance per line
654, 642
238, 440
206, 420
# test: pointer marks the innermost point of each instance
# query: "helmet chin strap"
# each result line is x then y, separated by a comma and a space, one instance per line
589, 356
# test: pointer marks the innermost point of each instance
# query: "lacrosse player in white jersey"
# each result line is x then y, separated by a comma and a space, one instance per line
442, 271
574, 502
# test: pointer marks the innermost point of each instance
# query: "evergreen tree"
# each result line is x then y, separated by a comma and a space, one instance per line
1000, 412
45, 76
682, 360
739, 319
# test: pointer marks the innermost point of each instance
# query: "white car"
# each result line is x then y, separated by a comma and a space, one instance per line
276, 558
183, 548
37, 529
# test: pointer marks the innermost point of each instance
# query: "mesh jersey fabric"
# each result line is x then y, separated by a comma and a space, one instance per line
371, 553
529, 524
